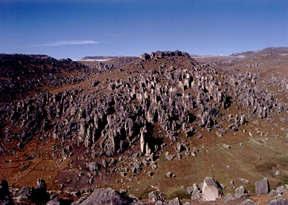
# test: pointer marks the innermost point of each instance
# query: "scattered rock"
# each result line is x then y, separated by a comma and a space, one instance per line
23, 194
175, 201
228, 198
156, 196
54, 202
240, 192
170, 175
226, 146
196, 193
211, 190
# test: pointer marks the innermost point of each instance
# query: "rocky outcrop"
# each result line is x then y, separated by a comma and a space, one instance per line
114, 120
163, 54
107, 197
262, 186
211, 190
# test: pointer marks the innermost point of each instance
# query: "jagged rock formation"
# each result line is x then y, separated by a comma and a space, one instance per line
127, 110
174, 98
158, 100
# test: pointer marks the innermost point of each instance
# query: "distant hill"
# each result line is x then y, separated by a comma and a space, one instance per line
22, 74
264, 52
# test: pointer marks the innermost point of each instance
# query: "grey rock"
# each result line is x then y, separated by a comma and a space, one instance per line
170, 174
107, 197
53, 202
93, 166
175, 201
196, 193
189, 189
24, 193
262, 186
240, 192
279, 201
154, 196
247, 202
211, 190
281, 190
181, 147
228, 198
168, 156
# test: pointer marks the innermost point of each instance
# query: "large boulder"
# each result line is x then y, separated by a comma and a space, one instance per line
211, 190
262, 186
107, 197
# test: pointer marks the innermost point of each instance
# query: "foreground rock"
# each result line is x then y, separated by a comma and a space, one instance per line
262, 186
107, 197
211, 190
248, 202
280, 201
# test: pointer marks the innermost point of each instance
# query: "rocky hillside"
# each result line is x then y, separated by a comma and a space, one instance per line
94, 127
21, 74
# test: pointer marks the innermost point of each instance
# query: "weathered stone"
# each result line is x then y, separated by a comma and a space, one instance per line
107, 197
93, 166
175, 201
281, 190
196, 193
24, 193
170, 174
240, 192
136, 167
280, 201
248, 202
262, 186
181, 147
156, 196
53, 202
168, 156
211, 191
228, 198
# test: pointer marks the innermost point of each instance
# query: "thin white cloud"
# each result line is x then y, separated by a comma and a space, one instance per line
68, 43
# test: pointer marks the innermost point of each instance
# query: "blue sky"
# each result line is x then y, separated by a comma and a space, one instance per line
76, 28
